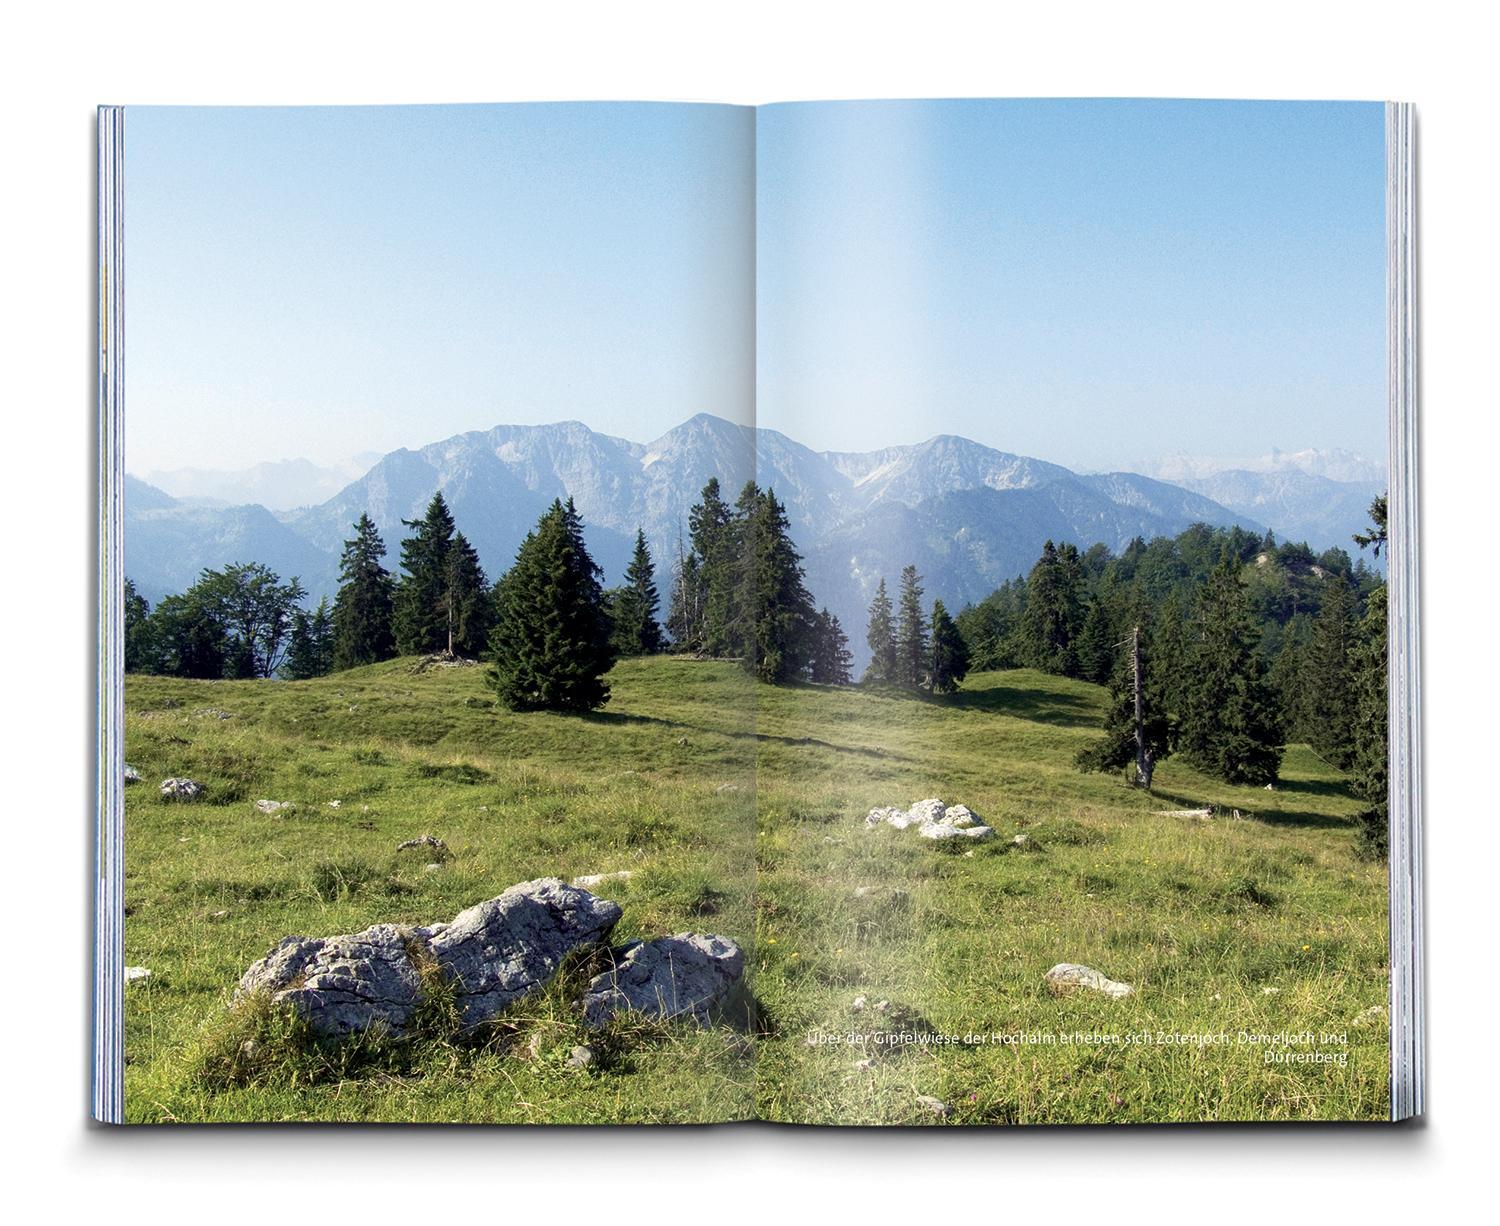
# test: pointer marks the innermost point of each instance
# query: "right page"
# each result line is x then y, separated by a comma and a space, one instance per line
1077, 410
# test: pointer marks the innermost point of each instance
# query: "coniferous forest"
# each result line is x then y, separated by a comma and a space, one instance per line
1218, 645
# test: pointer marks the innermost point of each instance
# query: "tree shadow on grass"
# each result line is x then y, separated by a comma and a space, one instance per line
621, 718
1026, 702
1272, 816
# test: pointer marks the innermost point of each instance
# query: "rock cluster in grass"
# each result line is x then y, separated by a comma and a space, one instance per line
1068, 977
933, 820
181, 789
492, 955
131, 774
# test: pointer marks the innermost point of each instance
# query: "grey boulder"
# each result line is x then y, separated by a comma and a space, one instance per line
685, 975
493, 954
181, 789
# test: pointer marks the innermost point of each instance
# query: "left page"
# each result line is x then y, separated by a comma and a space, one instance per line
419, 821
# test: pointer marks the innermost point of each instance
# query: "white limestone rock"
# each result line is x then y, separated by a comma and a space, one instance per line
1068, 977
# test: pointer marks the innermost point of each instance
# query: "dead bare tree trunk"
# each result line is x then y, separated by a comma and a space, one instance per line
1144, 763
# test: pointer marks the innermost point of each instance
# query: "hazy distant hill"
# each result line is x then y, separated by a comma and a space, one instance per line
968, 515
1321, 496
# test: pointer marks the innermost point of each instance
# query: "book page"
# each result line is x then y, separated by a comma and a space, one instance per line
1078, 411
422, 820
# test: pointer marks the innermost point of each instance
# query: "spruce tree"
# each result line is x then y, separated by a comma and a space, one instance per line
1229, 723
310, 652
1053, 615
1371, 746
913, 650
633, 607
363, 608
1126, 743
719, 571
774, 613
421, 620
831, 659
466, 605
881, 637
1289, 679
550, 645
950, 655
1096, 643
1167, 647
1328, 673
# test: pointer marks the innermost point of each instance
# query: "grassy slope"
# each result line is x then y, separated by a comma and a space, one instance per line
1203, 917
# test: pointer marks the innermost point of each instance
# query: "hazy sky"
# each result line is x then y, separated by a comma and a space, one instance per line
322, 282
1087, 282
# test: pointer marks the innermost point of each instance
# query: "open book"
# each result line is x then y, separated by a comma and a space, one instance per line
836, 613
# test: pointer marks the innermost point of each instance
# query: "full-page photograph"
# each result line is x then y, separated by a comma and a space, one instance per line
837, 613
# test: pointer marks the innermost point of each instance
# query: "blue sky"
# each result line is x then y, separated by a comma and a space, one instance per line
1088, 282
322, 282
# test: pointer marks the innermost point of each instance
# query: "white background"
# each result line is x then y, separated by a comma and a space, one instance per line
60, 60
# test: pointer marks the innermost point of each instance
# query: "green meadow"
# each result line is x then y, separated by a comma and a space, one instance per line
739, 809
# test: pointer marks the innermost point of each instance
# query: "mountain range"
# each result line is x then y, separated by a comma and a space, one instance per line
967, 515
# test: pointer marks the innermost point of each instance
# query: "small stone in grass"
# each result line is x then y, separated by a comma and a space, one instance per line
432, 868
131, 774
1069, 977
581, 1057
137, 974
181, 789
864, 891
271, 806
859, 1003
862, 1065
934, 1105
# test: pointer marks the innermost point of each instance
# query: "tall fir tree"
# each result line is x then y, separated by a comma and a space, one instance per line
364, 606
913, 651
831, 659
1328, 675
775, 613
550, 646
881, 638
1371, 746
466, 603
950, 656
633, 607
1054, 610
1167, 647
720, 570
421, 620
1096, 650
1229, 722
310, 652
1288, 678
